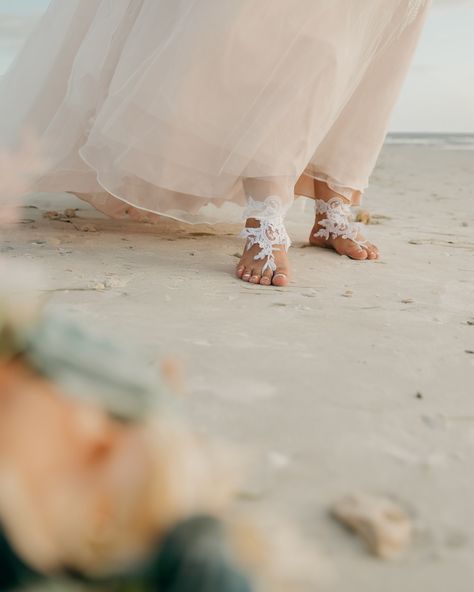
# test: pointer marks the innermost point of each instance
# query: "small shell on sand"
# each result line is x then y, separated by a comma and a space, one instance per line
364, 217
52, 215
384, 525
88, 228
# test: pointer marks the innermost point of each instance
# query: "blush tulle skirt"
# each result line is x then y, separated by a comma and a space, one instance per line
169, 106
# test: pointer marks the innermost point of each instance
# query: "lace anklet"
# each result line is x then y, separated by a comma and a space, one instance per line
338, 221
271, 235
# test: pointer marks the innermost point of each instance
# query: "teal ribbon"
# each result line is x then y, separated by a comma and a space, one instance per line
88, 365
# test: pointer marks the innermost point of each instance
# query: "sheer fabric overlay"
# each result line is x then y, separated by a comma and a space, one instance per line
169, 106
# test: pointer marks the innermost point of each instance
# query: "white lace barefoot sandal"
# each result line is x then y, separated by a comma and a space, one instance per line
271, 235
338, 221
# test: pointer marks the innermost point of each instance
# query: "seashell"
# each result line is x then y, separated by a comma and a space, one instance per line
380, 521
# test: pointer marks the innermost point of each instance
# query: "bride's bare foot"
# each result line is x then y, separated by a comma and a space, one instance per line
256, 265
334, 229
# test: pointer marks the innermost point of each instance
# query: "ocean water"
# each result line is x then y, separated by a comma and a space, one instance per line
443, 141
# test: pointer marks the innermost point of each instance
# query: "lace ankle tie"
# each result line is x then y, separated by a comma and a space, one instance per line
271, 235
338, 221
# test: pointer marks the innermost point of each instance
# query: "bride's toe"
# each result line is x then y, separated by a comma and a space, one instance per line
255, 277
280, 277
266, 278
355, 251
246, 275
372, 251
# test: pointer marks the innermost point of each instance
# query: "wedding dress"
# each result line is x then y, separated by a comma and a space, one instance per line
177, 107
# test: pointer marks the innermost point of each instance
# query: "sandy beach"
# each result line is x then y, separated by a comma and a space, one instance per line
357, 377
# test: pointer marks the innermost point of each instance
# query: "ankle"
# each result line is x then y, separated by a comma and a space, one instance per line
325, 193
252, 223
334, 196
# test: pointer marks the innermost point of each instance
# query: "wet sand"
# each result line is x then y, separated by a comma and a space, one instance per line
358, 377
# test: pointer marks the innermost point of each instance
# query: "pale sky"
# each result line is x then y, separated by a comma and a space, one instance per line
438, 95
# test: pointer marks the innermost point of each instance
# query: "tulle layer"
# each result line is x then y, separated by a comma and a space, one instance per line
169, 106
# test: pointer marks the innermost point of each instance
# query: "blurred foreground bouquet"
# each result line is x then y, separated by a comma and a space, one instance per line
102, 481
